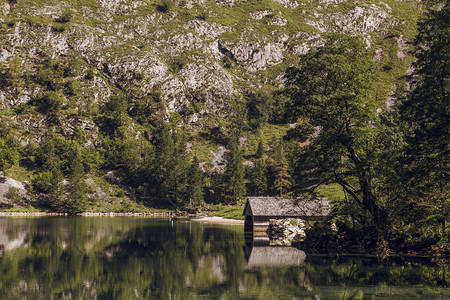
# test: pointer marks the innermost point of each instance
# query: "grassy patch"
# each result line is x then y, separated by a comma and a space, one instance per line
333, 192
267, 133
226, 211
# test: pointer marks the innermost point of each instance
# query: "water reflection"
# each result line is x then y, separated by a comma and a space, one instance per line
139, 258
259, 252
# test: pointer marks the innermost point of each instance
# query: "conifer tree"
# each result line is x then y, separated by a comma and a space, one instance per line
282, 178
180, 167
258, 175
56, 191
234, 172
425, 112
168, 170
77, 189
258, 178
194, 185
282, 182
260, 152
162, 164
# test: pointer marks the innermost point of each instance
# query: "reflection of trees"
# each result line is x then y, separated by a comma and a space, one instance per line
133, 258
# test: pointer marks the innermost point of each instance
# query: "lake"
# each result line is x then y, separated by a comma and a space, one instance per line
155, 258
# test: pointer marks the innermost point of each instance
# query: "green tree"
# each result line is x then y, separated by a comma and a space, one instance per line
56, 187
425, 113
232, 186
168, 170
331, 86
50, 178
77, 189
195, 183
281, 179
282, 182
234, 172
260, 151
9, 154
258, 176
258, 107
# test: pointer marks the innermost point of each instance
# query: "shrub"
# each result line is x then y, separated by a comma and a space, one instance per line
204, 15
51, 101
13, 195
42, 182
59, 27
65, 17
165, 6
90, 73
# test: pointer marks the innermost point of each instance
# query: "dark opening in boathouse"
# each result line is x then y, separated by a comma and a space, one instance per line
258, 211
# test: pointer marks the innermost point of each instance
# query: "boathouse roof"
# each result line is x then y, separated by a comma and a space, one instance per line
287, 207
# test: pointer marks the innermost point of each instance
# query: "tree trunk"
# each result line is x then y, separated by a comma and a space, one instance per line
369, 199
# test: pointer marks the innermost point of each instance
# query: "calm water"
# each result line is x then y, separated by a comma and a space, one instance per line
142, 258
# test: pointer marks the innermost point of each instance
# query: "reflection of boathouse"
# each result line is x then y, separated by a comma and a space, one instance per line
275, 256
259, 210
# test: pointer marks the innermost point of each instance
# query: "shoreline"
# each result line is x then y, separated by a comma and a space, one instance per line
218, 220
88, 214
201, 217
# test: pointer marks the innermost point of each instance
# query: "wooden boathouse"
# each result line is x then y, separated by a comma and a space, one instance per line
258, 211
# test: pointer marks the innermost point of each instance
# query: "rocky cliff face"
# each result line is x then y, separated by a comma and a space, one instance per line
190, 53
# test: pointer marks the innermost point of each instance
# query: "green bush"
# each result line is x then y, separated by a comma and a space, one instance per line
65, 17
204, 15
51, 101
42, 182
9, 154
165, 6
91, 73
13, 195
72, 88
59, 27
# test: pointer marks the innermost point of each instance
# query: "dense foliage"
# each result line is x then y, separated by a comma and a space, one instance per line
391, 166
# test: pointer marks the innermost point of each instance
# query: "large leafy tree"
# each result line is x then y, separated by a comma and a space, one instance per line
330, 90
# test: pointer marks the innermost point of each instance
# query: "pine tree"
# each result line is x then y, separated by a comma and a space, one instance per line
258, 178
258, 175
260, 152
282, 182
425, 112
168, 170
234, 172
195, 183
56, 190
162, 164
77, 189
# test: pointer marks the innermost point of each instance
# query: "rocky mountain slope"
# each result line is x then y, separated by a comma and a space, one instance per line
62, 61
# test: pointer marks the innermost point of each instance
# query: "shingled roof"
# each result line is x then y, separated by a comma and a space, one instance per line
287, 207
